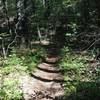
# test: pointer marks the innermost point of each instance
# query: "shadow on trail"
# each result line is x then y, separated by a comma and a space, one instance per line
47, 80
50, 71
86, 91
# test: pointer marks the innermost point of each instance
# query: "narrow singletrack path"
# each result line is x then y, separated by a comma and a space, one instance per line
46, 81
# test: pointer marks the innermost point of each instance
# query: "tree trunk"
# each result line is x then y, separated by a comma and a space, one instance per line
98, 11
6, 14
22, 22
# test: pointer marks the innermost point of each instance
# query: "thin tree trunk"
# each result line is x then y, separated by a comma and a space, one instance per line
39, 34
98, 11
4, 50
5, 6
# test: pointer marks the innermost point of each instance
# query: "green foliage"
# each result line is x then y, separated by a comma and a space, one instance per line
13, 60
10, 83
10, 90
40, 52
14, 67
70, 89
78, 90
71, 61
82, 79
28, 58
72, 65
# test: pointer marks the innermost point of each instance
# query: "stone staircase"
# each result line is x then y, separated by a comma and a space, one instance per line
46, 82
50, 78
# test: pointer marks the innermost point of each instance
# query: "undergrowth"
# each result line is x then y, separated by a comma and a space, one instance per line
16, 65
81, 73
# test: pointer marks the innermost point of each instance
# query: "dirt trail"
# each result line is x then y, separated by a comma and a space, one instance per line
45, 83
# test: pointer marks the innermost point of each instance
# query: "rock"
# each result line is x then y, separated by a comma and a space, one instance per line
52, 59
41, 75
48, 67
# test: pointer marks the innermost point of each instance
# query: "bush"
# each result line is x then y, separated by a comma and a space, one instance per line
13, 68
81, 75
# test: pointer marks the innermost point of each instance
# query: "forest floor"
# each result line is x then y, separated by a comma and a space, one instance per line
54, 74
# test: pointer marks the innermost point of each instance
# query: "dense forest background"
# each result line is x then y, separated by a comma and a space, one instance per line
29, 29
20, 21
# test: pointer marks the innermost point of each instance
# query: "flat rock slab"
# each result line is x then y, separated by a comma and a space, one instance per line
47, 76
48, 67
52, 59
34, 89
42, 42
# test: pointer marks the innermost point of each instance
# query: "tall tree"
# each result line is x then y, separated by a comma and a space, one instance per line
23, 11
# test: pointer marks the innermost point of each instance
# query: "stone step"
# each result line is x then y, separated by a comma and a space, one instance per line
52, 59
42, 42
48, 68
45, 76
